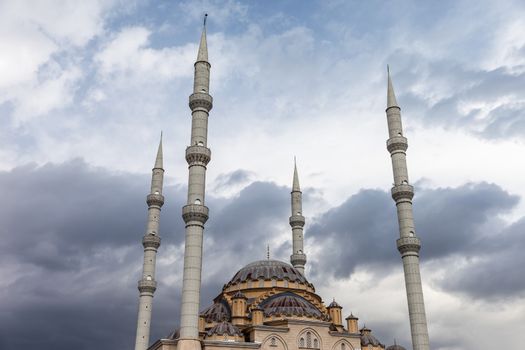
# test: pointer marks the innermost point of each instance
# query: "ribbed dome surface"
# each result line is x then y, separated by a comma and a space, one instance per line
395, 347
369, 339
290, 304
267, 270
218, 312
224, 328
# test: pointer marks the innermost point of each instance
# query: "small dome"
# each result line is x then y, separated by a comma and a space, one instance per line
224, 328
395, 347
267, 270
368, 339
289, 304
335, 304
218, 312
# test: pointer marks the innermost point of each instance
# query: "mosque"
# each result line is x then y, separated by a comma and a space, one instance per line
267, 304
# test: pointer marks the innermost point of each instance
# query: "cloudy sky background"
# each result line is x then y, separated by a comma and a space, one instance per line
86, 87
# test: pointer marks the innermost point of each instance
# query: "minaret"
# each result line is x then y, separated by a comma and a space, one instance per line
408, 244
195, 213
151, 243
298, 258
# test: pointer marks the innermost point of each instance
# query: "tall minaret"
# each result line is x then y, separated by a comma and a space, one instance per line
408, 244
195, 213
151, 243
298, 258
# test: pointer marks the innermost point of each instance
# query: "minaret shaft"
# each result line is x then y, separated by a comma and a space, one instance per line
195, 213
151, 242
297, 221
408, 244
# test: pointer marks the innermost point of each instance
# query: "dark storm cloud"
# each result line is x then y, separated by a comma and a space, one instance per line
237, 177
71, 255
70, 251
451, 222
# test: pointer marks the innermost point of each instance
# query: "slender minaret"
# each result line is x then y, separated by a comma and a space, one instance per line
151, 243
195, 213
408, 244
298, 258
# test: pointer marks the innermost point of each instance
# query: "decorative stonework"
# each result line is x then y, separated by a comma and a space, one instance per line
151, 241
297, 220
198, 155
298, 259
146, 286
201, 100
397, 143
408, 244
402, 192
195, 212
155, 200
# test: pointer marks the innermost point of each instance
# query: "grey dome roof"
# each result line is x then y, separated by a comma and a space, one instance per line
395, 347
224, 328
368, 339
218, 312
289, 304
267, 270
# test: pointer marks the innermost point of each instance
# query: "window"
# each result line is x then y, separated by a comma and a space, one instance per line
308, 339
316, 344
273, 342
301, 342
343, 347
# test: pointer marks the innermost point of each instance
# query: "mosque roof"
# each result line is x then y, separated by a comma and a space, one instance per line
218, 312
224, 328
368, 339
289, 304
395, 347
267, 270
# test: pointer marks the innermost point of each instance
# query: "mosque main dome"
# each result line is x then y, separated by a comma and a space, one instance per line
268, 270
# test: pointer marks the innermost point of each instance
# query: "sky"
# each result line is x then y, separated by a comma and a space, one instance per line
86, 87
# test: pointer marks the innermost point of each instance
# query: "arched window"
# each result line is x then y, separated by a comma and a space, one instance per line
316, 344
343, 347
308, 339
301, 342
273, 342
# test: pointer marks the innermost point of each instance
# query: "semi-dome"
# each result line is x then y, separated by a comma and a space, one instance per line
368, 339
290, 304
267, 270
218, 312
224, 328
395, 347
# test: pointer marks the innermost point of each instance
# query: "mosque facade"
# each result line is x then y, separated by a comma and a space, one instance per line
268, 304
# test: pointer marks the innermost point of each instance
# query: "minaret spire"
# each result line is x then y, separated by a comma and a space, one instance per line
195, 213
408, 244
203, 46
298, 258
151, 242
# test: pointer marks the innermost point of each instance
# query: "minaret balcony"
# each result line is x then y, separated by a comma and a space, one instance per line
155, 199
298, 259
201, 100
198, 155
297, 221
408, 245
147, 286
195, 212
151, 241
397, 143
402, 192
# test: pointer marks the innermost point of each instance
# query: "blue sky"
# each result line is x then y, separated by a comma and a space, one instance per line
86, 88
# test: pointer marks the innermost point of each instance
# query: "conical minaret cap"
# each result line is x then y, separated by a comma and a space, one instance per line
158, 160
203, 46
295, 185
391, 96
